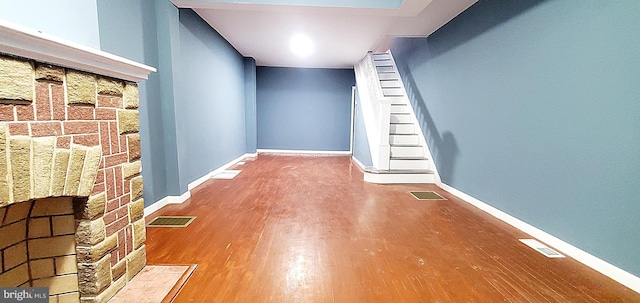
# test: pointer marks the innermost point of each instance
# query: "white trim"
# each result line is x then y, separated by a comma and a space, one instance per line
166, 201
208, 176
28, 43
297, 152
362, 167
393, 178
368, 114
180, 199
623, 277
199, 181
353, 118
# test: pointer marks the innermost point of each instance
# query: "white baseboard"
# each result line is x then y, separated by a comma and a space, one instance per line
180, 199
394, 178
166, 201
607, 269
305, 152
198, 181
208, 176
357, 162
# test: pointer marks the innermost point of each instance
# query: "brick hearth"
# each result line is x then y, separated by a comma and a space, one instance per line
71, 208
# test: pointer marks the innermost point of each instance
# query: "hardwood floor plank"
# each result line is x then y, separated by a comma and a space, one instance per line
309, 229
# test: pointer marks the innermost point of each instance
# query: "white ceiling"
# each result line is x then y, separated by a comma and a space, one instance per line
342, 35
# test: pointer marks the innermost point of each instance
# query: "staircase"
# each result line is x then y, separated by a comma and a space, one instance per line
408, 154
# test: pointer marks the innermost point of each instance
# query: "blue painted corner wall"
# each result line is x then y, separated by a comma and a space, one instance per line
250, 105
132, 33
195, 111
210, 109
361, 150
304, 108
533, 107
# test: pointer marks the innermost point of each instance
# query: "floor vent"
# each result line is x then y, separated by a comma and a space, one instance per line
541, 248
171, 221
426, 195
226, 174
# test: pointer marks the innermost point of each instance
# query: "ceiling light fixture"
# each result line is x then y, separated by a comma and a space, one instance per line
301, 45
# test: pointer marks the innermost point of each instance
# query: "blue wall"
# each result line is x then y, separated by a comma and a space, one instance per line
533, 107
130, 28
361, 149
73, 20
250, 104
210, 108
168, 35
304, 109
192, 111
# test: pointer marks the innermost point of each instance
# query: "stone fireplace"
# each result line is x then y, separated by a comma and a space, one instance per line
71, 207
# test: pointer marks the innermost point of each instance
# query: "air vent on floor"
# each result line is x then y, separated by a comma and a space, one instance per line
541, 248
171, 221
226, 174
426, 195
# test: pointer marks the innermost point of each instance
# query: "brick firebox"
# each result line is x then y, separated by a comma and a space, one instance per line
71, 208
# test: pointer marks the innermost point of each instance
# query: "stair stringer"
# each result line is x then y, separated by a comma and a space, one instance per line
388, 168
378, 148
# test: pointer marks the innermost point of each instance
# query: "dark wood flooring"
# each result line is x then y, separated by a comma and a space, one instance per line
309, 229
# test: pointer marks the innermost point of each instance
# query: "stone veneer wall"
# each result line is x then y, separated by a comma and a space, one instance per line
66, 133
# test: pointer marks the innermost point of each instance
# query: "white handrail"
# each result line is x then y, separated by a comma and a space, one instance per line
376, 111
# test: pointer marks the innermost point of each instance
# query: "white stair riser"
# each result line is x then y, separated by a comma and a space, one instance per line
392, 92
385, 69
401, 129
382, 62
397, 100
400, 109
388, 76
381, 56
400, 118
409, 164
404, 139
390, 83
407, 151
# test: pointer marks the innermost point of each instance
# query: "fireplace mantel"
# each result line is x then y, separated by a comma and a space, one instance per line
28, 43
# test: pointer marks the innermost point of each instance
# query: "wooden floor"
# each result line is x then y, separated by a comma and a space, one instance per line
309, 229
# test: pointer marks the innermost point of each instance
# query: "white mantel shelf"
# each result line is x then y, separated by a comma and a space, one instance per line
28, 43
